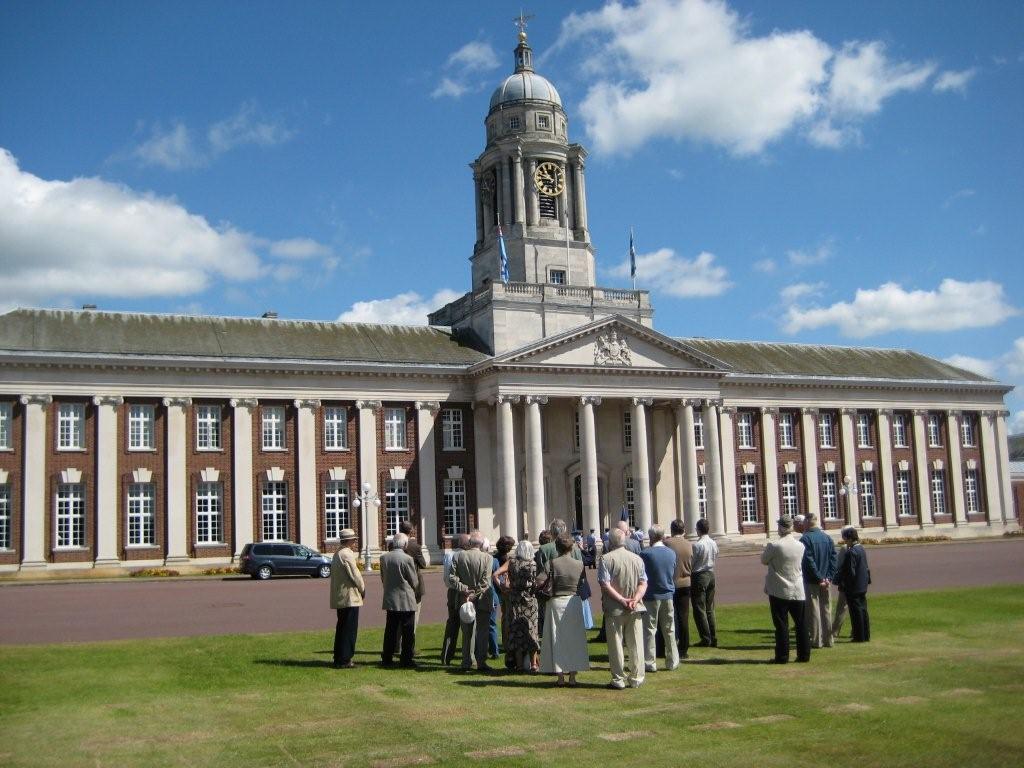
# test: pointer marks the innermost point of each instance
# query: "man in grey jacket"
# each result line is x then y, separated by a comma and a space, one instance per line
398, 572
784, 585
471, 579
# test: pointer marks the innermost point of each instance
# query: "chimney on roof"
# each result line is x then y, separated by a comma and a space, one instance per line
270, 315
89, 307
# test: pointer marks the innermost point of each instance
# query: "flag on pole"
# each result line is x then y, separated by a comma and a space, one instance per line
504, 255
632, 258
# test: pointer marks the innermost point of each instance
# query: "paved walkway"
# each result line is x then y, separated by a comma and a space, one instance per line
124, 609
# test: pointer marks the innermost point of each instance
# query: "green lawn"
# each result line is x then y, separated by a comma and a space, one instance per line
941, 684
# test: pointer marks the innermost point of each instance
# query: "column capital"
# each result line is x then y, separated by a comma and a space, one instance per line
713, 403
590, 400
848, 411
954, 413
920, 411
499, 399
885, 412
114, 400
303, 403
1003, 414
808, 411
729, 410
372, 405
536, 399
987, 414
433, 406
177, 402
769, 410
648, 401
35, 399
243, 402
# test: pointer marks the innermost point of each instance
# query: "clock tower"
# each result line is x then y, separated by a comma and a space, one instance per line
530, 199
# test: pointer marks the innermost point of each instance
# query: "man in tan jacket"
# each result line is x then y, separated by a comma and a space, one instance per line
347, 592
623, 583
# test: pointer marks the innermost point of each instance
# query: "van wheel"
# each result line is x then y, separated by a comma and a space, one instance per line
264, 572
325, 571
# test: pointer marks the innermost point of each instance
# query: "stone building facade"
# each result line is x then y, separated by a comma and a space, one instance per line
133, 439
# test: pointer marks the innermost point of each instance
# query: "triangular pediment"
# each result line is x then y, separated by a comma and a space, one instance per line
611, 343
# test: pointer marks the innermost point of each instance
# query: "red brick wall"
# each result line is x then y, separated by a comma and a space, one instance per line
327, 460
861, 455
195, 462
155, 461
286, 459
11, 462
905, 454
835, 456
791, 455
968, 453
940, 453
406, 458
58, 461
442, 461
743, 456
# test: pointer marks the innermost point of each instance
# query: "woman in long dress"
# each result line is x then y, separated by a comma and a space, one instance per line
519, 577
564, 651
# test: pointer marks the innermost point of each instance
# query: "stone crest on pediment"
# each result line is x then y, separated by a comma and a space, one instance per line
612, 349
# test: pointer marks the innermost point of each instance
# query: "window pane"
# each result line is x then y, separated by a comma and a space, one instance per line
70, 515
396, 503
748, 498
5, 516
70, 427
451, 429
6, 416
208, 427
274, 506
455, 519
829, 501
273, 428
394, 428
208, 513
140, 514
335, 428
336, 508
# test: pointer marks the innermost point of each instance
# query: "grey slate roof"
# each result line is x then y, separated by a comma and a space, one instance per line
753, 357
121, 333
1016, 447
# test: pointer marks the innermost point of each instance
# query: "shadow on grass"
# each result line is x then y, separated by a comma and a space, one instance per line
308, 663
530, 682
717, 661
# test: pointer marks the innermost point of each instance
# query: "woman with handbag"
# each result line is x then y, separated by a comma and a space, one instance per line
564, 651
518, 579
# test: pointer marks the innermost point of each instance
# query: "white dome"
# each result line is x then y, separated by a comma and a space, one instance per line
523, 86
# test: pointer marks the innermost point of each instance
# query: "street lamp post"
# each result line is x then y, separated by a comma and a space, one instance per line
848, 491
364, 500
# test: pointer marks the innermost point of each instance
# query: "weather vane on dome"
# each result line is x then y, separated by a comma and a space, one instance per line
520, 21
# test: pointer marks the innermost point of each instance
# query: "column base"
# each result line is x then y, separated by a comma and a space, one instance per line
177, 560
33, 565
106, 562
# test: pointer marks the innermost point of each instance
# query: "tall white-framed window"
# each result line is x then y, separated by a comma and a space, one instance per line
209, 513
394, 429
868, 506
70, 427
788, 489
899, 431
336, 509
748, 498
934, 431
453, 492
335, 428
745, 429
627, 430
829, 500
938, 483
140, 427
971, 496
141, 514
5, 516
274, 506
70, 515
826, 430
702, 496
208, 427
967, 431
576, 431
904, 494
863, 430
6, 430
698, 428
787, 436
452, 435
396, 505
556, 276
272, 427
629, 493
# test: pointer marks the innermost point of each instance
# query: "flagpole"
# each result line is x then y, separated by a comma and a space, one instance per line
632, 258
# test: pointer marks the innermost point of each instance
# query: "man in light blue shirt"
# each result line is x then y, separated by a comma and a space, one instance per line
702, 586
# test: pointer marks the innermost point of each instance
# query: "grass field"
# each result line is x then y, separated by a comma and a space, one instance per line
941, 684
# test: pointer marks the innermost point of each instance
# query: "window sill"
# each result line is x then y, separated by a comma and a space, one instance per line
210, 450
209, 544
273, 450
142, 450
136, 547
454, 450
70, 450
71, 549
397, 450
345, 449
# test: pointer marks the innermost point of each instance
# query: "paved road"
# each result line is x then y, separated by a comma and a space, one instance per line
88, 611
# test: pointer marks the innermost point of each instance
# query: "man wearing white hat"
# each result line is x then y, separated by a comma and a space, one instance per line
347, 593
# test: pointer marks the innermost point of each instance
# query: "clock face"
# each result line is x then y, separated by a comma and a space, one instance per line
549, 179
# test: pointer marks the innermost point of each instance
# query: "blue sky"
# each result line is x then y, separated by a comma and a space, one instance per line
843, 173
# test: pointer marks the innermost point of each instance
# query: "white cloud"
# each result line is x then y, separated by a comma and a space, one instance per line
974, 364
950, 80
463, 65
796, 291
960, 194
1013, 360
404, 309
693, 69
299, 248
666, 272
1015, 424
955, 305
175, 149
765, 265
448, 87
807, 258
90, 238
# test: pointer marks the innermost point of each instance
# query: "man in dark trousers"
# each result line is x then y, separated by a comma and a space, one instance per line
460, 543
415, 551
471, 578
854, 578
681, 598
347, 592
398, 573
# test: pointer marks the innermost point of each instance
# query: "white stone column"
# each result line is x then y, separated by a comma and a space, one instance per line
588, 447
581, 198
921, 469
478, 194
242, 476
177, 479
106, 479
720, 463
368, 410
504, 198
688, 446
990, 467
770, 462
809, 443
956, 467
1003, 454
520, 192
885, 474
34, 488
533, 198
508, 518
565, 196
307, 485
426, 453
535, 508
641, 463
849, 448
483, 456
